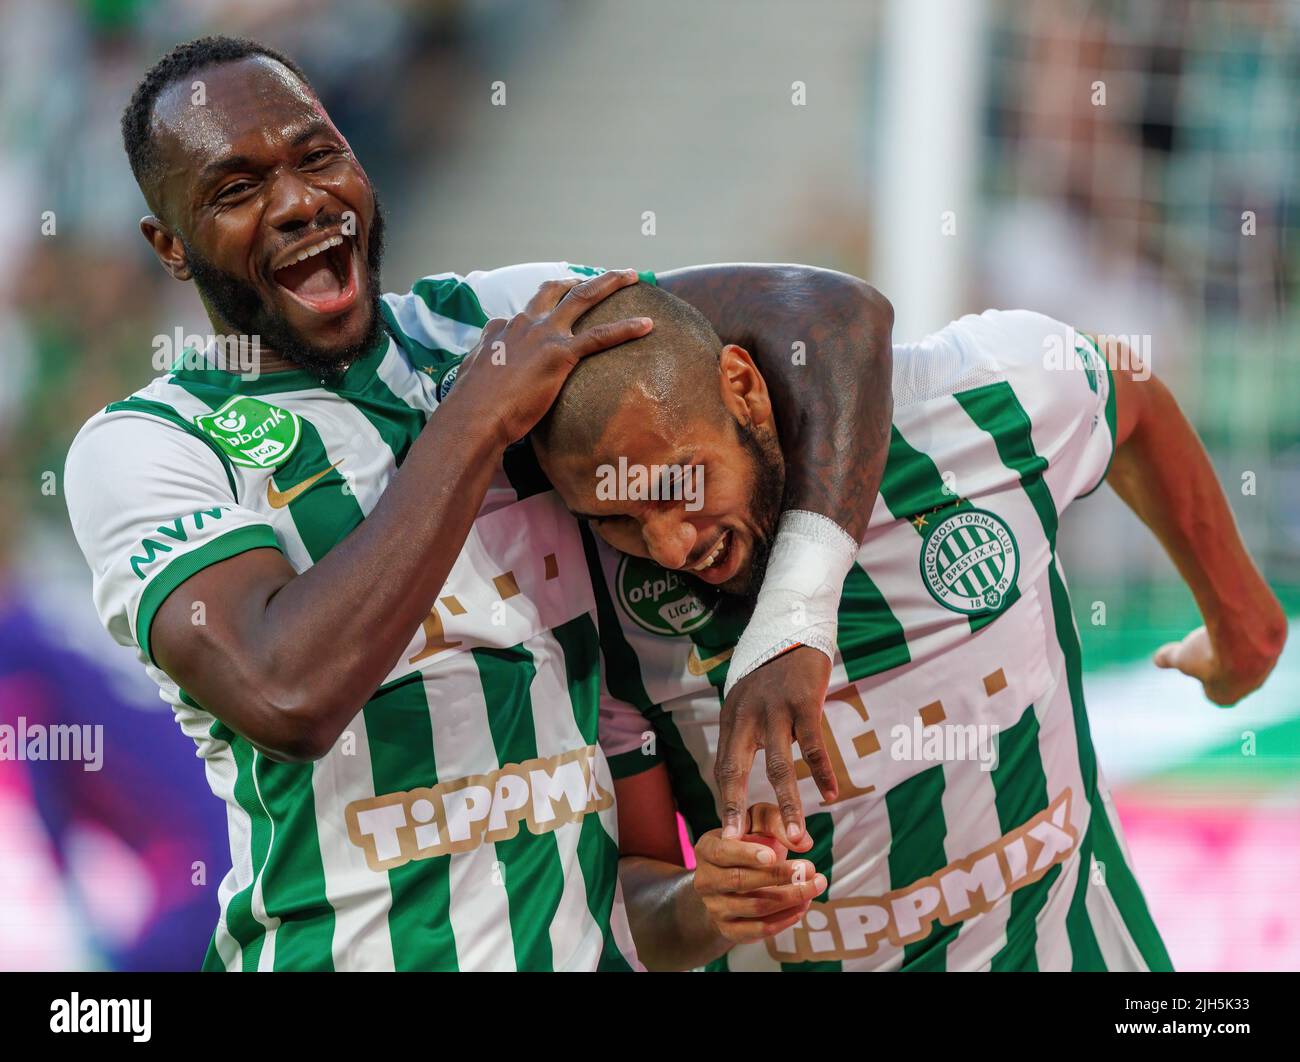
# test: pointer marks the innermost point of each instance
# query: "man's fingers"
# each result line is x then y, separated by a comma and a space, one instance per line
548, 296
1167, 655
746, 930
766, 818
736, 750
771, 900
604, 336
812, 747
582, 297
780, 772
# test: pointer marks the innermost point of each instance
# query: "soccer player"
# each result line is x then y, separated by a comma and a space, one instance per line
971, 828
364, 604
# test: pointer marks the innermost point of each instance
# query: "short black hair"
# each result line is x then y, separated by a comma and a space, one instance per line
182, 60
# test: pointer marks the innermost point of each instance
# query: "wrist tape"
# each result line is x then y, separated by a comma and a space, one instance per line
800, 597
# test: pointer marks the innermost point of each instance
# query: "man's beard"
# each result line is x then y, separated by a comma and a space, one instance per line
765, 509
240, 305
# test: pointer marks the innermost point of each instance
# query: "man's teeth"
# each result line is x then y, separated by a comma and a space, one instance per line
708, 561
316, 249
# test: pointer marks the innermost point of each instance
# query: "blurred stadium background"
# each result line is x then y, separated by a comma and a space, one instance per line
1126, 217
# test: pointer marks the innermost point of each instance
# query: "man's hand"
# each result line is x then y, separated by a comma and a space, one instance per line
518, 367
1227, 673
769, 708
748, 887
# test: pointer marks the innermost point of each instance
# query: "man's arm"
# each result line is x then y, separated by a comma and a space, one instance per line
740, 890
1163, 474
288, 659
822, 341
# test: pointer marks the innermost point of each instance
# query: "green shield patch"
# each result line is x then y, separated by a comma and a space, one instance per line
251, 432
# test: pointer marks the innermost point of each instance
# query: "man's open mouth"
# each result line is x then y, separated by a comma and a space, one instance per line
321, 275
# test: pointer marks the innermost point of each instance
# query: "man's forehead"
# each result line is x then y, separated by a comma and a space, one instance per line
219, 109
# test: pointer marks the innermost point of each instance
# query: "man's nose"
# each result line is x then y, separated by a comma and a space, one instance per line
294, 204
668, 538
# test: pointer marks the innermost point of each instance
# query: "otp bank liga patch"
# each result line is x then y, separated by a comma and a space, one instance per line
251, 432
657, 600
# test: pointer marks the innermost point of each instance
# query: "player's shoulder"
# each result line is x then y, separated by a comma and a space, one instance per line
148, 432
1009, 338
451, 302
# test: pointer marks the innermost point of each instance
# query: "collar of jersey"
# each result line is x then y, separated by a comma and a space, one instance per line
355, 379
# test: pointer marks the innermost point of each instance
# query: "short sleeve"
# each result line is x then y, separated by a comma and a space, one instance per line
626, 737
1061, 383
441, 318
151, 505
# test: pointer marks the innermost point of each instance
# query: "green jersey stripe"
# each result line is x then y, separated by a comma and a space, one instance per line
298, 903
597, 853
821, 828
397, 423
912, 485
914, 490
598, 858
167, 413
996, 409
623, 677
1020, 788
1110, 414
430, 360
1085, 952
240, 920
397, 720
1119, 878
918, 829
534, 876
452, 298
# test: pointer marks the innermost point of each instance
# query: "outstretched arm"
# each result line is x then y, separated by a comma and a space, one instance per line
1163, 474
822, 341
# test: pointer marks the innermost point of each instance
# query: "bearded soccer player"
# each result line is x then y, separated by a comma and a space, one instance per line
365, 605
972, 828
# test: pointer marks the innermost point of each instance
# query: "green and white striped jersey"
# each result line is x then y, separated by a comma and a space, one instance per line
465, 817
972, 829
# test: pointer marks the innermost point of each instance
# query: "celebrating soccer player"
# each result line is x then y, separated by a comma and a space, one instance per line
970, 827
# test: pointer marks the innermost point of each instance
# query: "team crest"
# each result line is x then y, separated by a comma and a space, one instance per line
657, 600
251, 432
970, 561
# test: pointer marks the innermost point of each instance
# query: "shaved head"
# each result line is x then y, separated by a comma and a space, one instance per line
673, 369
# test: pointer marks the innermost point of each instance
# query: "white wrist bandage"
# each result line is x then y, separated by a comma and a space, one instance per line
800, 597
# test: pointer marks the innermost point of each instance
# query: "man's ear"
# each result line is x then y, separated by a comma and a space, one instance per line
167, 246
744, 391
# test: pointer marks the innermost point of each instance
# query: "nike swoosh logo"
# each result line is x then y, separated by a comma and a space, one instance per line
696, 666
278, 499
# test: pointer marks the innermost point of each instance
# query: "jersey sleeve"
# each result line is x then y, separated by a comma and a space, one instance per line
440, 319
1061, 382
151, 505
626, 737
